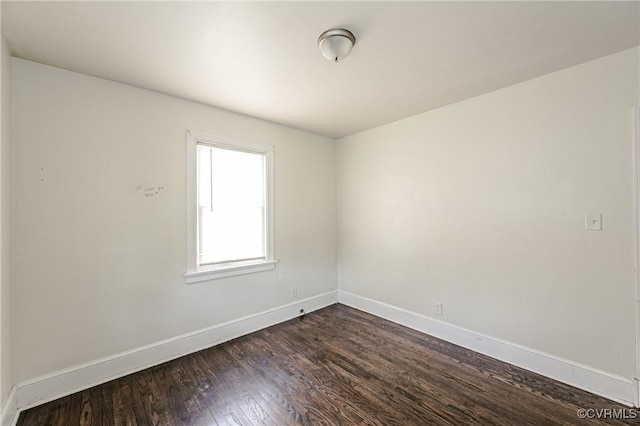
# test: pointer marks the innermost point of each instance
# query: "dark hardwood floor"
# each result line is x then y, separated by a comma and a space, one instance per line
336, 366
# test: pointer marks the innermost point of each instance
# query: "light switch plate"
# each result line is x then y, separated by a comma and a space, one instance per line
593, 221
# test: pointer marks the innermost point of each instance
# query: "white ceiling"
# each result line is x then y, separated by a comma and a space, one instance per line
261, 59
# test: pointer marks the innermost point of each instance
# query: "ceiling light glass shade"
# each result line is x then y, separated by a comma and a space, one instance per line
336, 44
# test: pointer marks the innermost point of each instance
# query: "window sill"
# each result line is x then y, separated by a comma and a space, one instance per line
228, 270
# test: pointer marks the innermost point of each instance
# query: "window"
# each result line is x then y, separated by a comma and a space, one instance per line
230, 208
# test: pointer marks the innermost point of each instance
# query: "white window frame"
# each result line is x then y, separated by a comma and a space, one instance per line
194, 273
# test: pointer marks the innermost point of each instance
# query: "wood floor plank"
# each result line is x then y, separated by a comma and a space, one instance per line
126, 415
224, 397
210, 395
266, 403
312, 384
59, 412
90, 409
149, 401
384, 365
105, 392
273, 382
359, 364
473, 364
336, 366
244, 391
319, 371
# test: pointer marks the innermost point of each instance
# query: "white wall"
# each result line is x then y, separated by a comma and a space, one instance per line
97, 266
480, 206
6, 376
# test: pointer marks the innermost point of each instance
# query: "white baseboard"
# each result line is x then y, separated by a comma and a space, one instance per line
8, 415
65, 382
601, 383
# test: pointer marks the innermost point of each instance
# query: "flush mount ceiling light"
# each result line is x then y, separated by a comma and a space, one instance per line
336, 44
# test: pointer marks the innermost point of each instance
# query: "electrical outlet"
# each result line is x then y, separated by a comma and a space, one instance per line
438, 308
282, 275
293, 292
593, 221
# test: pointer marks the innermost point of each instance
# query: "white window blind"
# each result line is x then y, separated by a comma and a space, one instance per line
231, 203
